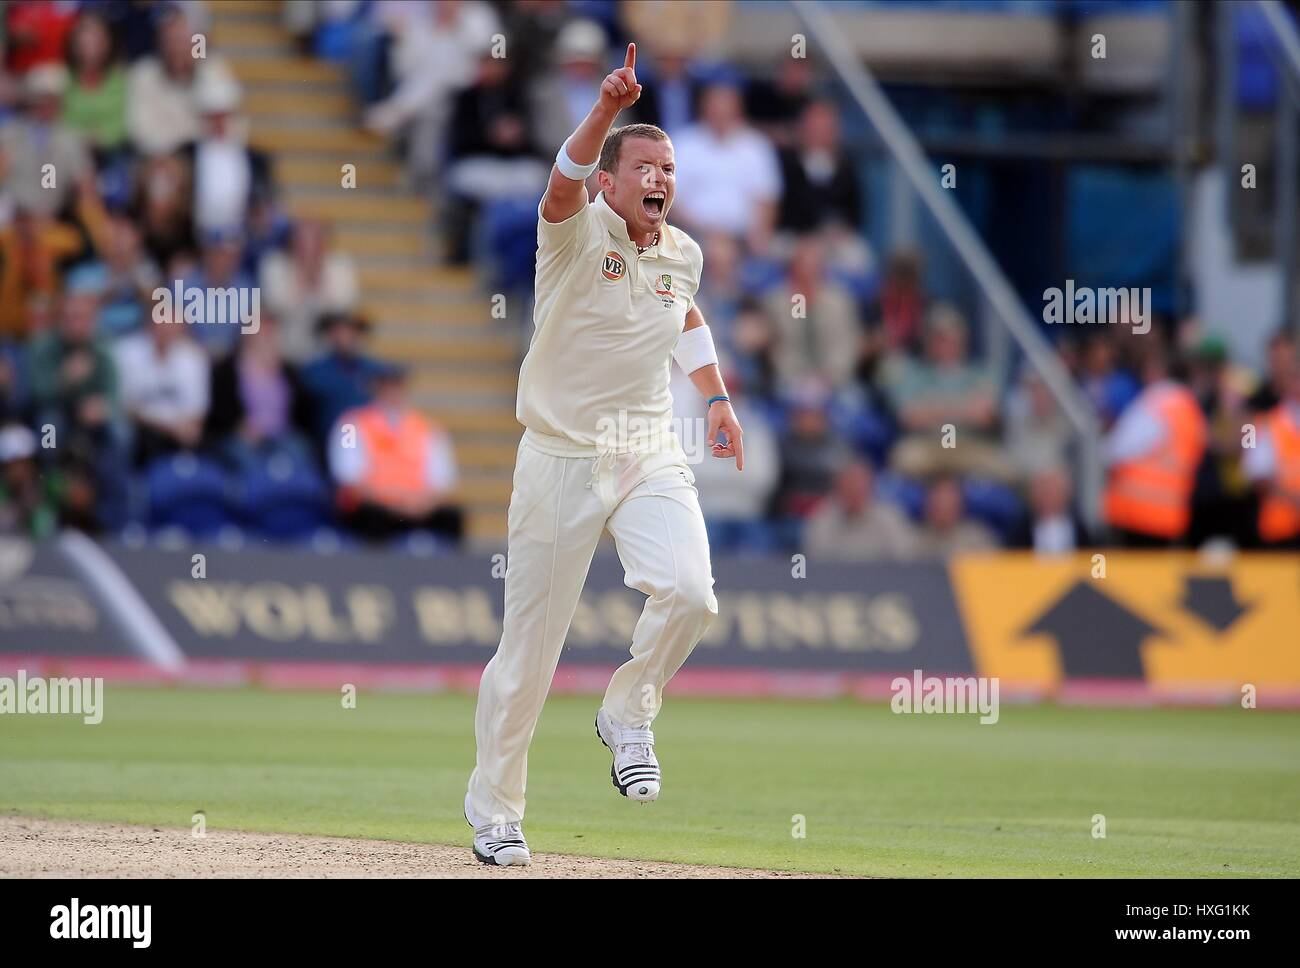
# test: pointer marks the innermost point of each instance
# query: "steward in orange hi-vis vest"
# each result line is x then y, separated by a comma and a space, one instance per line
1151, 494
397, 454
1279, 511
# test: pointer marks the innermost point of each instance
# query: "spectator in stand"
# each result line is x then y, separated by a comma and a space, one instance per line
820, 185
896, 319
95, 103
228, 175
722, 290
728, 179
1273, 466
777, 105
74, 389
562, 99
28, 508
161, 114
304, 284
493, 155
540, 22
342, 378
754, 342
854, 525
668, 97
40, 137
162, 208
220, 267
1281, 363
810, 453
32, 246
434, 53
1152, 456
1052, 526
688, 26
399, 472
35, 32
13, 381
1223, 503
946, 532
165, 384
816, 318
735, 505
259, 405
946, 389
132, 278
73, 381
1110, 388
1037, 432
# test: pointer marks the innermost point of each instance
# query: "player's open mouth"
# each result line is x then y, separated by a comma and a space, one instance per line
654, 204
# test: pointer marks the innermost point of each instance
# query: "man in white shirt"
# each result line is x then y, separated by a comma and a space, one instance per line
164, 383
614, 306
731, 180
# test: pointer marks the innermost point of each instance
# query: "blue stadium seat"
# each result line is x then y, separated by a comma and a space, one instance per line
283, 497
994, 503
906, 492
189, 493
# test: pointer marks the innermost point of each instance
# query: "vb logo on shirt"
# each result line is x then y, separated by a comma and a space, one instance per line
614, 266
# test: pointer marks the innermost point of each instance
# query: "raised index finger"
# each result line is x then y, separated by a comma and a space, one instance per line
630, 60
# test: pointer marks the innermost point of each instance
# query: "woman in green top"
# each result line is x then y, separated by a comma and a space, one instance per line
95, 103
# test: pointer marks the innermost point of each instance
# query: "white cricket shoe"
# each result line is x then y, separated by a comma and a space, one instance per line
502, 844
635, 770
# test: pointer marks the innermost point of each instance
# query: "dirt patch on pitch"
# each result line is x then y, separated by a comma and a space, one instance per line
62, 848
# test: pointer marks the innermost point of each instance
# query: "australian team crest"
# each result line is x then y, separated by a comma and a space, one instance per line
664, 289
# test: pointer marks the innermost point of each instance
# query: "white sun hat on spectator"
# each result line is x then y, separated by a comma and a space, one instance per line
580, 40
217, 93
16, 443
48, 80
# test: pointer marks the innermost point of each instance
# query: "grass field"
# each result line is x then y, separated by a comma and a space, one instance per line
1184, 792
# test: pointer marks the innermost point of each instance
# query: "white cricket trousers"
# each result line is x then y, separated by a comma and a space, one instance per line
558, 509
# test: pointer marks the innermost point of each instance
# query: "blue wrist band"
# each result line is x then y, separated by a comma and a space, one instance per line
720, 396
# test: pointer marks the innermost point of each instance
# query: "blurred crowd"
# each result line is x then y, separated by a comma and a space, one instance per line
126, 172
874, 430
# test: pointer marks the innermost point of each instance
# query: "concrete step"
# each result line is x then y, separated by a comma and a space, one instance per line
255, 71
472, 424
424, 349
266, 107
360, 146
446, 279
439, 319
248, 33
363, 210
431, 382
302, 172
243, 9
489, 453
487, 529
367, 243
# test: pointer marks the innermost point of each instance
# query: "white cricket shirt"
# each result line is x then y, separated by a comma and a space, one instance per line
595, 379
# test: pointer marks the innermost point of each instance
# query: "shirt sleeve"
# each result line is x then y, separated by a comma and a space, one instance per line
1259, 463
1137, 431
556, 239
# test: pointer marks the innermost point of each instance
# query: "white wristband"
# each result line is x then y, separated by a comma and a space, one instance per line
570, 168
695, 349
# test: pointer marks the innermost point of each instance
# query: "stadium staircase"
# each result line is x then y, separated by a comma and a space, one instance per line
435, 319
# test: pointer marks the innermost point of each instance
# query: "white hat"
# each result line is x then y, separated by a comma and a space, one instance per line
16, 443
46, 80
580, 40
217, 93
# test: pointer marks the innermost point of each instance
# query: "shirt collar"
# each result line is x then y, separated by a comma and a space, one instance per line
614, 224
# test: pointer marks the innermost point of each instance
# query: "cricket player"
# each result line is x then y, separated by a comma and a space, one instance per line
614, 306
